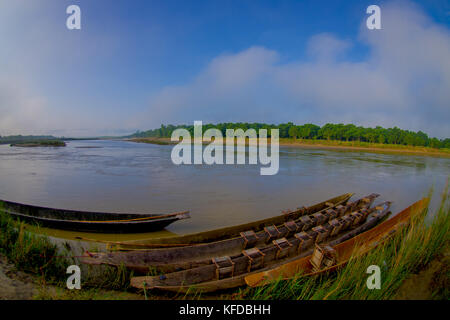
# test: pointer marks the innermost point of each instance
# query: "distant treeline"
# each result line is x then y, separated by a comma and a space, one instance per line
340, 132
24, 139
19, 139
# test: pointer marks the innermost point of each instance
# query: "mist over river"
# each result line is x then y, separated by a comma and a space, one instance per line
121, 176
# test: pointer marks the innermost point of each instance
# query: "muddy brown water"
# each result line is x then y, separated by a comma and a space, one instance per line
121, 176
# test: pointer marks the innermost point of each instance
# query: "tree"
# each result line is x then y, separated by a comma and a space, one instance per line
329, 131
293, 132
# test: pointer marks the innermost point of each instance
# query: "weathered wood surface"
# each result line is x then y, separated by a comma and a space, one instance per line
352, 246
104, 222
180, 258
204, 278
227, 232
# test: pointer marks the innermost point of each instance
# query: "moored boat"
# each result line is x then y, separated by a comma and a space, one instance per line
230, 272
226, 232
85, 221
181, 258
352, 248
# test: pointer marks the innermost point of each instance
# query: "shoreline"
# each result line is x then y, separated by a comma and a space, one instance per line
333, 145
421, 284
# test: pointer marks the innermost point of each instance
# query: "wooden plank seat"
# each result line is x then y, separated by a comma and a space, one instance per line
304, 241
292, 227
331, 214
357, 217
347, 221
319, 218
340, 209
224, 267
283, 246
250, 238
323, 257
255, 258
305, 222
322, 233
336, 226
272, 232
313, 234
351, 206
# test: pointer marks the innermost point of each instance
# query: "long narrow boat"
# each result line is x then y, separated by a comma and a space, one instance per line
230, 272
226, 232
181, 258
100, 222
355, 247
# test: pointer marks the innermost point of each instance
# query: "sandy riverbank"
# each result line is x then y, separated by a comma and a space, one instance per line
332, 145
16, 285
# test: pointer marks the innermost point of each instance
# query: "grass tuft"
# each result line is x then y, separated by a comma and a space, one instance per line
30, 253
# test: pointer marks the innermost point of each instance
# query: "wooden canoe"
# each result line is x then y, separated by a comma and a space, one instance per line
352, 248
214, 276
227, 232
85, 221
187, 257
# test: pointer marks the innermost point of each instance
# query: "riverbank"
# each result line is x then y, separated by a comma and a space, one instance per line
365, 146
416, 259
337, 145
33, 144
432, 281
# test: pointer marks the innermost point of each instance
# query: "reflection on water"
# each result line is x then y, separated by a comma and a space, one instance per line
121, 176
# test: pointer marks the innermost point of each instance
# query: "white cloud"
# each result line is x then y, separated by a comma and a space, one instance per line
326, 48
18, 108
405, 81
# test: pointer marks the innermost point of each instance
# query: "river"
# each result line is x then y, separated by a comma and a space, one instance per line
121, 176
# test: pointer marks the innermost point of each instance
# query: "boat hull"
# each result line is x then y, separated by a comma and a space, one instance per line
354, 247
83, 221
203, 279
224, 233
188, 257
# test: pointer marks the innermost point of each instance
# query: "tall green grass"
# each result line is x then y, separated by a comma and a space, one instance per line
368, 145
406, 253
35, 254
30, 253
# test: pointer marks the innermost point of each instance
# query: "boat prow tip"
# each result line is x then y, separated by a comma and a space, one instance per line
184, 215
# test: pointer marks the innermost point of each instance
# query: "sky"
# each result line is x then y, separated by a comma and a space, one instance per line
135, 65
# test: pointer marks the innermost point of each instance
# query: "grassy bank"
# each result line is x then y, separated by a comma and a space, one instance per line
38, 256
365, 146
159, 141
40, 143
331, 144
410, 251
30, 253
407, 253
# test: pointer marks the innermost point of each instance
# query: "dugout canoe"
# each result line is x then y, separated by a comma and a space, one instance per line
230, 272
352, 248
227, 232
187, 257
86, 221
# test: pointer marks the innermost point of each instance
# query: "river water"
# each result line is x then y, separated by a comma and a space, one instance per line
121, 176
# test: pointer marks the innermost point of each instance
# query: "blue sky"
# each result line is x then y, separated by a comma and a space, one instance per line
137, 64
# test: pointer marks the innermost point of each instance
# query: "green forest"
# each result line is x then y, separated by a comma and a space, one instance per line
336, 132
25, 139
